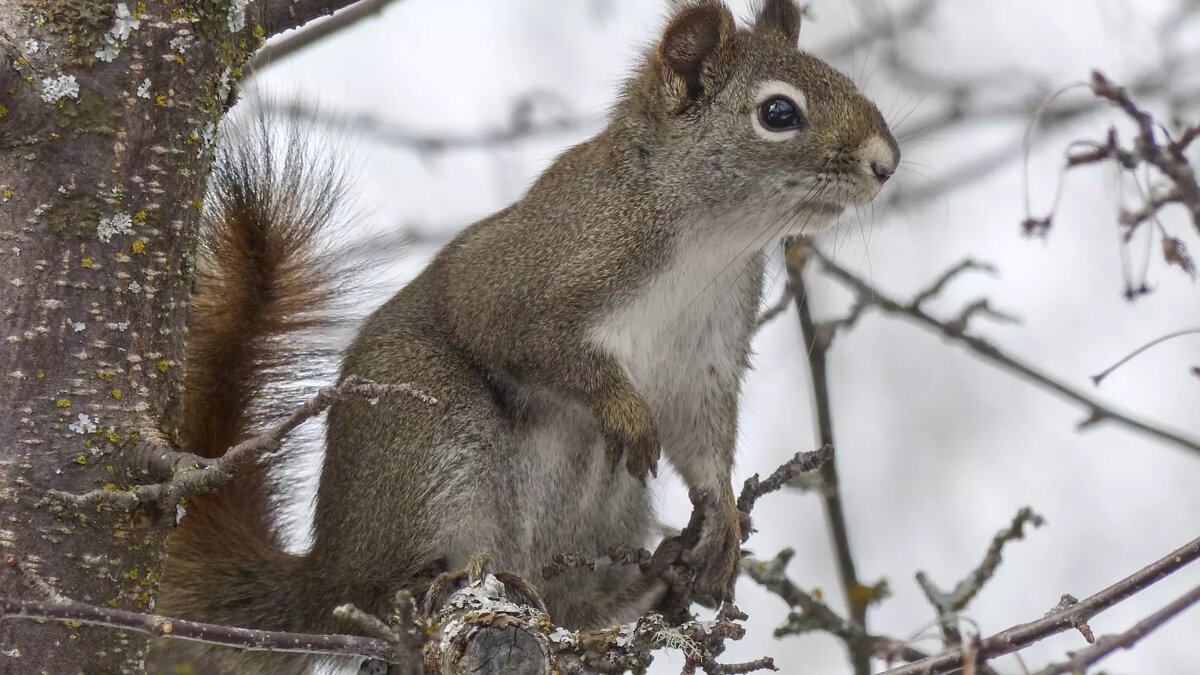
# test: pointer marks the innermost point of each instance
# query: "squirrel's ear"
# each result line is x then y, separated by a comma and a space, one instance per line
781, 17
698, 47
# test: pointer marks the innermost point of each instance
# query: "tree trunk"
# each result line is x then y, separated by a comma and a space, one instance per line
108, 112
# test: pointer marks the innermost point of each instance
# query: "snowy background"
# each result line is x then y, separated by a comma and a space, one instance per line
937, 449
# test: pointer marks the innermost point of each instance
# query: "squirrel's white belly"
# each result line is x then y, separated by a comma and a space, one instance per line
680, 339
689, 320
683, 341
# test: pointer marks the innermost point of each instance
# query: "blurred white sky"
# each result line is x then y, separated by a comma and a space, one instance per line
937, 450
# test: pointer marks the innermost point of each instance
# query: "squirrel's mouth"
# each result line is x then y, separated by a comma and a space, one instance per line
822, 202
831, 193
824, 207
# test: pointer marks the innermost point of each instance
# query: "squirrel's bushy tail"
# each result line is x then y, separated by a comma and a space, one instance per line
268, 275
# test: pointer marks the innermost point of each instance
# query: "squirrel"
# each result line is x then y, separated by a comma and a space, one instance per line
569, 338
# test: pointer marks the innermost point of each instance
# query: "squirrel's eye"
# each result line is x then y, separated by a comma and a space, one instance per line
780, 114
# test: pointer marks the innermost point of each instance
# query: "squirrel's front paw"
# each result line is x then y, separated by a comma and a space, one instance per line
716, 556
630, 431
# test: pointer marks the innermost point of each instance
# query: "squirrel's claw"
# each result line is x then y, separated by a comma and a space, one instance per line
715, 558
641, 457
630, 431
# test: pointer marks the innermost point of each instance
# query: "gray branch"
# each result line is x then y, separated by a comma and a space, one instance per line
1069, 614
949, 604
956, 332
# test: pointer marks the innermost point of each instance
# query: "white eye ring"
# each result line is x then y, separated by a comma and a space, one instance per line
772, 89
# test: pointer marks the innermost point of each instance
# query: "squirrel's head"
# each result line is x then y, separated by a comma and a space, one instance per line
742, 119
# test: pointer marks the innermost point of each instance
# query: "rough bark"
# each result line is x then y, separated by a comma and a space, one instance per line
108, 112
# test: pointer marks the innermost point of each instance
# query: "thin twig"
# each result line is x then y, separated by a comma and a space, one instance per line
617, 557
1098, 378
781, 305
403, 632
935, 289
714, 668
814, 614
1066, 616
985, 163
801, 462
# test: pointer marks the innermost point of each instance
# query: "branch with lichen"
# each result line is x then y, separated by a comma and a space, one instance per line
478, 619
195, 475
800, 463
948, 604
810, 613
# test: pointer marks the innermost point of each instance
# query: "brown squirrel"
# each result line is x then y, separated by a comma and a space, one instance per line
606, 314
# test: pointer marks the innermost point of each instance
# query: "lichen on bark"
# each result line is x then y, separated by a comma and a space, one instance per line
102, 172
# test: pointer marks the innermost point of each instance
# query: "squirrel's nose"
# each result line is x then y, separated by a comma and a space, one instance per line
882, 171
879, 156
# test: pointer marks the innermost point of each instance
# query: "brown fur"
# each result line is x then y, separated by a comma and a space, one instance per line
605, 315
266, 274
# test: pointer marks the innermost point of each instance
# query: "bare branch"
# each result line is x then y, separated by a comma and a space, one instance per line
814, 614
1162, 164
858, 596
1131, 219
1097, 411
1064, 617
276, 16
935, 289
980, 307
765, 663
209, 475
401, 639
1049, 120
948, 605
481, 607
71, 611
277, 51
520, 127
58, 608
1107, 644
